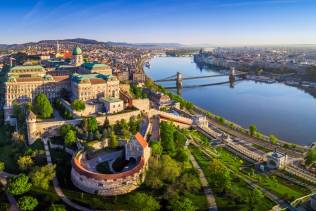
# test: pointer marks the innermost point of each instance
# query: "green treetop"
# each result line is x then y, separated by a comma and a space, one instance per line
42, 106
221, 178
70, 138
19, 184
78, 105
42, 176
273, 139
143, 202
310, 157
252, 130
27, 203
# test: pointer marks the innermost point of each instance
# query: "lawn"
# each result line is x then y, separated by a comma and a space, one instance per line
279, 186
233, 199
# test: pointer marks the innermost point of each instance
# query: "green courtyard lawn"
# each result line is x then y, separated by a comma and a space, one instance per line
234, 199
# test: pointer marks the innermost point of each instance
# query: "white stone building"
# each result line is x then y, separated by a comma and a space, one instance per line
112, 105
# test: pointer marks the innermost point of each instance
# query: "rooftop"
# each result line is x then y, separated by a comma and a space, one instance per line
79, 78
76, 51
94, 65
27, 68
110, 99
277, 154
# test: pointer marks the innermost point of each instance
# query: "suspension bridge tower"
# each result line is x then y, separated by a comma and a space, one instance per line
179, 81
232, 77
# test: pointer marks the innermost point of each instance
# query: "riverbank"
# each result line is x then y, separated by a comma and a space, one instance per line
279, 109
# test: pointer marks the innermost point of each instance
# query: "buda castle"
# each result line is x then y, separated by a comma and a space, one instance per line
84, 80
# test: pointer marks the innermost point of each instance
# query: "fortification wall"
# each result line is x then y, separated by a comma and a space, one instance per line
109, 187
107, 184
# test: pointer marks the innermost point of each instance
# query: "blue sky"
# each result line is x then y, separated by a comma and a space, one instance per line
219, 22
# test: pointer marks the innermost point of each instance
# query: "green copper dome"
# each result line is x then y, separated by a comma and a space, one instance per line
76, 51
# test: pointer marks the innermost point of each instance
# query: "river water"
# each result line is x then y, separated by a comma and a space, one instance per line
278, 109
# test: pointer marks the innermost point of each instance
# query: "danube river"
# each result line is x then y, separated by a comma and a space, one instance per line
278, 109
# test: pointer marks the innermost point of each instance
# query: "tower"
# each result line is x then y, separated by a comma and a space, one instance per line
31, 127
57, 47
179, 80
77, 58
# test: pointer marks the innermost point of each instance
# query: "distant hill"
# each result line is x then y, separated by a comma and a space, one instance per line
84, 41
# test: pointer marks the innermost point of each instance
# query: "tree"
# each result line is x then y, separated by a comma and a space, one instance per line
90, 124
41, 176
27, 203
25, 162
78, 105
106, 123
19, 112
254, 198
310, 157
273, 139
17, 137
143, 202
98, 135
70, 138
2, 166
113, 140
156, 148
63, 130
19, 184
166, 136
133, 125
169, 169
153, 174
42, 106
182, 155
182, 204
221, 178
252, 130
179, 138
189, 183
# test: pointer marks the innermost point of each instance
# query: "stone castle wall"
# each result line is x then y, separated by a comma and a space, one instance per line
107, 187
36, 129
107, 184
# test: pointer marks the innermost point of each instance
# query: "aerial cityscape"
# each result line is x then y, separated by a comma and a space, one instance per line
158, 105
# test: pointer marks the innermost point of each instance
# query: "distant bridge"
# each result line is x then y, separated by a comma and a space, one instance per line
201, 85
173, 77
178, 78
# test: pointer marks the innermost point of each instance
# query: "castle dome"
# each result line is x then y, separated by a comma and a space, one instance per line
76, 51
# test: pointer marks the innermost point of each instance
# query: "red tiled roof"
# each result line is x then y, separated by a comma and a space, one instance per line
96, 81
61, 78
29, 79
141, 140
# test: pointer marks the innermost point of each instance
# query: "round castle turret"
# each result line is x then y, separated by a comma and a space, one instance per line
31, 127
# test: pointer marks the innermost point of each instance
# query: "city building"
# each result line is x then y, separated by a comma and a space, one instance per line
112, 105
276, 160
24, 83
93, 86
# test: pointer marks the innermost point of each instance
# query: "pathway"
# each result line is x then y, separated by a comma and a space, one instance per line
57, 187
207, 190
